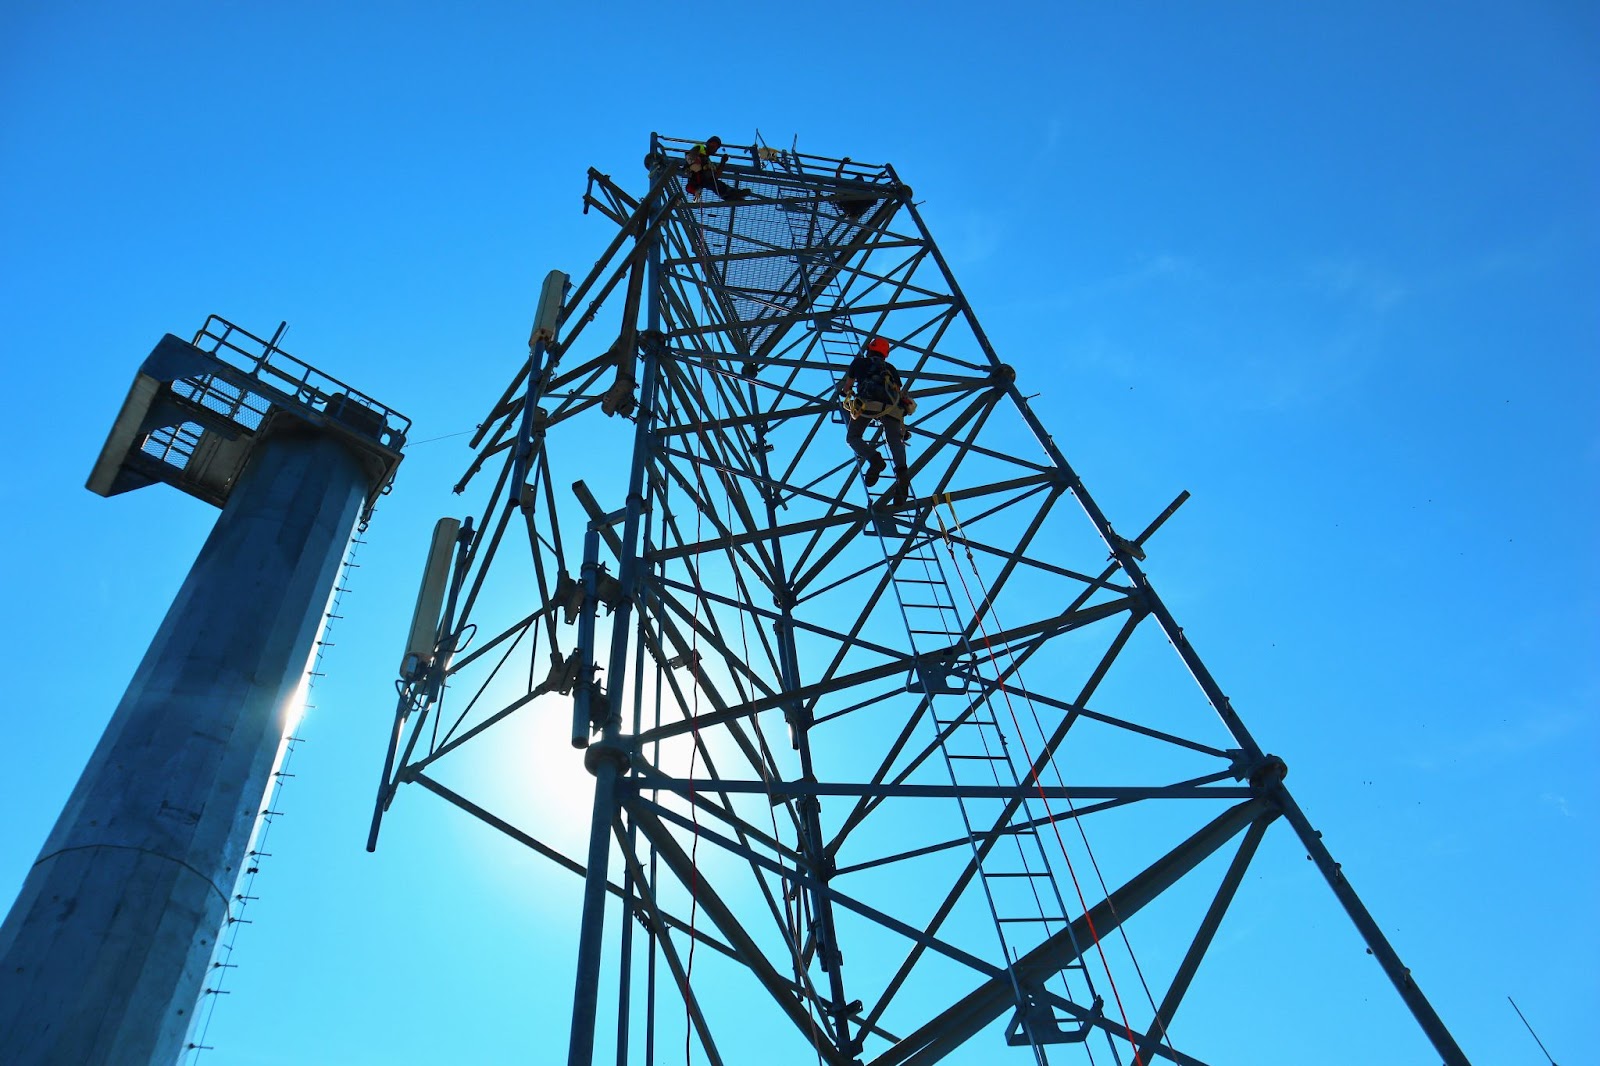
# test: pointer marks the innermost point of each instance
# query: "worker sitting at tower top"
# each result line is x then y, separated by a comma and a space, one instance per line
873, 391
703, 163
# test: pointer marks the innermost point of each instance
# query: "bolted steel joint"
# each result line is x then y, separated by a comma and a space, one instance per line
607, 750
652, 340
1268, 774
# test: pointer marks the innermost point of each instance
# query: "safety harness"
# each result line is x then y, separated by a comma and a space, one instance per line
878, 392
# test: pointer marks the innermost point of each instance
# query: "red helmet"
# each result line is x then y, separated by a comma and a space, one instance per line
879, 345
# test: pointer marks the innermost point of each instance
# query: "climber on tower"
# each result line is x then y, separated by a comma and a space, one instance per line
702, 164
872, 391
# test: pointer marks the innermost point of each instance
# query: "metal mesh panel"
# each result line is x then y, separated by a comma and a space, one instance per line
174, 445
734, 241
238, 405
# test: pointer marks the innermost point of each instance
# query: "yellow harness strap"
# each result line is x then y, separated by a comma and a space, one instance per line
859, 408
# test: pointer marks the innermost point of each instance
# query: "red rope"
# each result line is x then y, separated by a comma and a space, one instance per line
791, 906
694, 869
694, 810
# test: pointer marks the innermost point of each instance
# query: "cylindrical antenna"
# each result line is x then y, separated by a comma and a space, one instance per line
548, 315
430, 597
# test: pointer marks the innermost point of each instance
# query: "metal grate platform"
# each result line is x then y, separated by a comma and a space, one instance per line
816, 209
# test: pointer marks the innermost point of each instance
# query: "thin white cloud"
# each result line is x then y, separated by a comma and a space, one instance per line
1556, 801
1357, 281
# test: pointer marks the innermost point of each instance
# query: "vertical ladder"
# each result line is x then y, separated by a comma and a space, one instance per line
1015, 873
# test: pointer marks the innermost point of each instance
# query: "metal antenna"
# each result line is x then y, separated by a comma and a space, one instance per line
1531, 1033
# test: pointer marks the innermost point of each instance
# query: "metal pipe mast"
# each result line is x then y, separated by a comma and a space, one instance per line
913, 775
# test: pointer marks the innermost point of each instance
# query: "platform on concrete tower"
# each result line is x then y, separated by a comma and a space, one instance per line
197, 409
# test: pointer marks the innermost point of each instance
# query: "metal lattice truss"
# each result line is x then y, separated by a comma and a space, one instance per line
916, 776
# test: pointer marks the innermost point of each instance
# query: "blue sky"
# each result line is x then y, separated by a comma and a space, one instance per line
1331, 269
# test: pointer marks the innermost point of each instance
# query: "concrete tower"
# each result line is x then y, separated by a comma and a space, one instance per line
105, 951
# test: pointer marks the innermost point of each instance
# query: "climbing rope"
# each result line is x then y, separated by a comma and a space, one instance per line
934, 577
1094, 934
792, 905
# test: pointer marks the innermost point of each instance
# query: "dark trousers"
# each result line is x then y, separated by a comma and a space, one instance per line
894, 431
706, 178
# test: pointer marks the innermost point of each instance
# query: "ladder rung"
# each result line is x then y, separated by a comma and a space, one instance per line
1021, 873
1040, 919
941, 722
985, 758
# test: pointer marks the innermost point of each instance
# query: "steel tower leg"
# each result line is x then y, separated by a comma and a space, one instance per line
106, 949
608, 758
605, 759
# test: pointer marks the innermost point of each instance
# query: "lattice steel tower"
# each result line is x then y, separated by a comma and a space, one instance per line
855, 752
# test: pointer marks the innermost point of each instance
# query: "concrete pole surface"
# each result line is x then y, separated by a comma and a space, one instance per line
106, 949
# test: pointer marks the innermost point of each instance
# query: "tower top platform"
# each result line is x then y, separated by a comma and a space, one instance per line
768, 234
